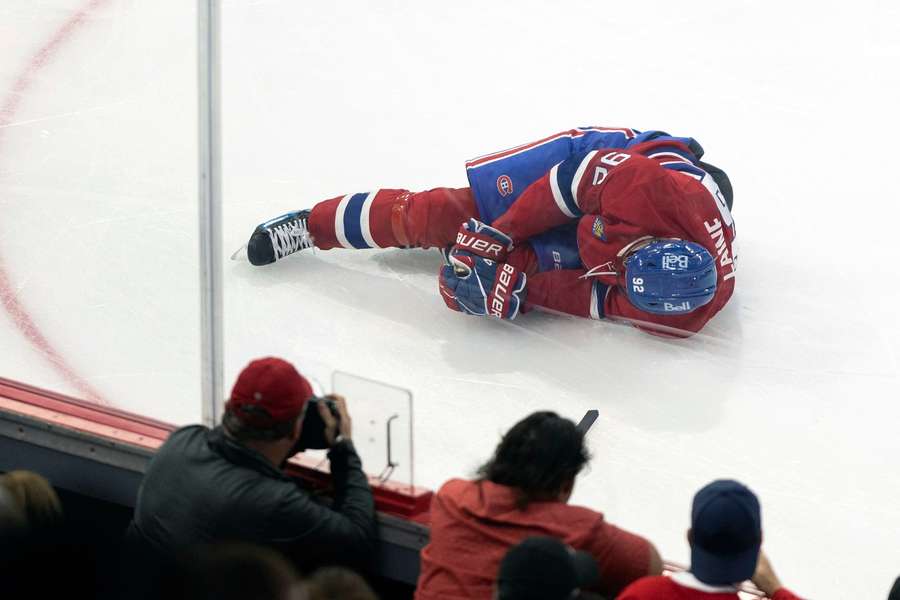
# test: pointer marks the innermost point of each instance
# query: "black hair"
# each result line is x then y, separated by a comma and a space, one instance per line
895, 590
339, 583
227, 571
538, 457
242, 431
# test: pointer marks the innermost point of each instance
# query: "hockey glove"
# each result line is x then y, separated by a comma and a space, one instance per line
479, 286
483, 240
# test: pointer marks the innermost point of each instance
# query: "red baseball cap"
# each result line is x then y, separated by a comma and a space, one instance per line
269, 391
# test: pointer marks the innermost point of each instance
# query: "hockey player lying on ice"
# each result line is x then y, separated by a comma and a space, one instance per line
595, 222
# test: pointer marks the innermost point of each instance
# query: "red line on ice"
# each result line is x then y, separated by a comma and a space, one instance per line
8, 294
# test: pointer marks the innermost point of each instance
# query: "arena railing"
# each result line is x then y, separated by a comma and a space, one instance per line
103, 452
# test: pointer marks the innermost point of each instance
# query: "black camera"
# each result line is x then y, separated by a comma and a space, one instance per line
312, 432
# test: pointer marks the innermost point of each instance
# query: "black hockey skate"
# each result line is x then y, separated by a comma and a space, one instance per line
279, 237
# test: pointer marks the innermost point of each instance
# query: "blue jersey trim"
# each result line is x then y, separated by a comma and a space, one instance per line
686, 168
672, 150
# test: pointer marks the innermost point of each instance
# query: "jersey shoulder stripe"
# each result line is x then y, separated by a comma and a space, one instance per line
564, 180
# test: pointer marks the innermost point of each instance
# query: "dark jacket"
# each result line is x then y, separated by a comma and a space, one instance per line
203, 486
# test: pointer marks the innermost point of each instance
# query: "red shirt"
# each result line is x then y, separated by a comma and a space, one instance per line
621, 198
684, 586
474, 523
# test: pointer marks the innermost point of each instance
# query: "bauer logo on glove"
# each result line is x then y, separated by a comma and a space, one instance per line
501, 294
479, 286
483, 240
476, 281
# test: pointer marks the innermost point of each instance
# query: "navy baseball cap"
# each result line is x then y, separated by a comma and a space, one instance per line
726, 533
544, 568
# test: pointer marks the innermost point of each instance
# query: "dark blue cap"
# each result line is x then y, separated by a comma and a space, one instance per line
726, 532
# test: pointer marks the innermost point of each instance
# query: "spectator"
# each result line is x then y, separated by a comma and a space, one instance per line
232, 572
523, 491
725, 538
543, 568
336, 583
35, 497
34, 535
12, 518
227, 484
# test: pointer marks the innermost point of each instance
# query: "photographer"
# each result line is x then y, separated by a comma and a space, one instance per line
226, 483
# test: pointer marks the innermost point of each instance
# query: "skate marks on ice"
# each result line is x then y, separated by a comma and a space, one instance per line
576, 361
361, 281
747, 351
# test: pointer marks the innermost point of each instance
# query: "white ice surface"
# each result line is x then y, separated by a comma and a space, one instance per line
791, 389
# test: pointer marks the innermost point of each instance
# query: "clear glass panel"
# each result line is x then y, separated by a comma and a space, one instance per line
382, 426
382, 429
98, 186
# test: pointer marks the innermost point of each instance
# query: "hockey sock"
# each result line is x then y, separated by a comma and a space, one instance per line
391, 218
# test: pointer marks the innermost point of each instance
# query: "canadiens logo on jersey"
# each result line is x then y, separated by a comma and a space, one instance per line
599, 229
504, 185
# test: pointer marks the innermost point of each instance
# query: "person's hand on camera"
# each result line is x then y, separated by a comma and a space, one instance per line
336, 431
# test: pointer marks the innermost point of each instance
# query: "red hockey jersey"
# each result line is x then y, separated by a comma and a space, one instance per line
620, 198
684, 586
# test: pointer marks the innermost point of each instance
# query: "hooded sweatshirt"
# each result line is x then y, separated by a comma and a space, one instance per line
474, 523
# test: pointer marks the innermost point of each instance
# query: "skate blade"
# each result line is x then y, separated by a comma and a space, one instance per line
241, 254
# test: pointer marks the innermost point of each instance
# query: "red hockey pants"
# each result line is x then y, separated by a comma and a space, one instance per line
398, 218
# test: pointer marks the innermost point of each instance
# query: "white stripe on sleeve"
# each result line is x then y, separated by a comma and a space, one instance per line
580, 173
595, 312
675, 155
710, 184
364, 220
339, 222
557, 195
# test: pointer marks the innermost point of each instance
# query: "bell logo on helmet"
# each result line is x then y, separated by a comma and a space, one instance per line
683, 307
674, 262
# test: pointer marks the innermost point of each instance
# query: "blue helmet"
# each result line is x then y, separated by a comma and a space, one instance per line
670, 276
